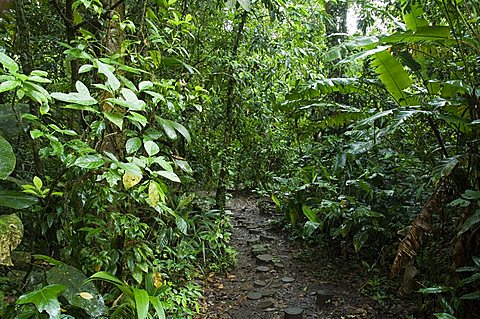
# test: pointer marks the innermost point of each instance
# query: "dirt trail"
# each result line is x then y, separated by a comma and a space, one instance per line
287, 280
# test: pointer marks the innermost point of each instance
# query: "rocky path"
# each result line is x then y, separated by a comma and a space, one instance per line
272, 279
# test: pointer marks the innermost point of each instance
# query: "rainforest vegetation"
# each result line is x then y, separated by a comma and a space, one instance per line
125, 127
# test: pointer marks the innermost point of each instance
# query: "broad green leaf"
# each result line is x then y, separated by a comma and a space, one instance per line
130, 168
364, 54
471, 221
37, 182
151, 147
16, 200
184, 166
182, 130
445, 168
38, 79
85, 68
413, 16
181, 224
145, 85
78, 292
142, 302
45, 299
76, 98
245, 4
7, 158
392, 74
112, 80
169, 175
471, 194
167, 127
8, 85
131, 97
8, 63
115, 118
89, 161
137, 118
423, 34
107, 277
133, 144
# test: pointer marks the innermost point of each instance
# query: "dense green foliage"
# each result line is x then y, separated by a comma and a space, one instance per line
115, 115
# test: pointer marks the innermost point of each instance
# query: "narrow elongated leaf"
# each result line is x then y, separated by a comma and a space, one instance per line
169, 175
7, 158
142, 302
8, 63
181, 224
107, 277
45, 299
16, 200
157, 305
392, 74
471, 221
8, 85
364, 54
311, 215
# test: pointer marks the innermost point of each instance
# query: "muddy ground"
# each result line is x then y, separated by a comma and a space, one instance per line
284, 279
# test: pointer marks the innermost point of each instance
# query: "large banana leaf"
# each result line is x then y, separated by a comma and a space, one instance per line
393, 75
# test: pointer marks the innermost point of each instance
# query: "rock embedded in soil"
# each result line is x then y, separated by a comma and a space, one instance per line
293, 313
323, 298
264, 259
263, 269
265, 304
254, 295
279, 266
268, 292
259, 283
288, 279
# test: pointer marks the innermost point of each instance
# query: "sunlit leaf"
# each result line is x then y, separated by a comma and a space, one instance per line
45, 299
130, 180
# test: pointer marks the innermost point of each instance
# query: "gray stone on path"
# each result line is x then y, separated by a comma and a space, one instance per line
288, 279
293, 313
264, 259
265, 304
263, 269
259, 283
254, 295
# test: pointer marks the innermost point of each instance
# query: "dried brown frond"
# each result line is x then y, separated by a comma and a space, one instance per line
449, 188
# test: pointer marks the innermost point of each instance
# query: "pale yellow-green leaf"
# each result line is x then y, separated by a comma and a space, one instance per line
86, 295
130, 180
153, 194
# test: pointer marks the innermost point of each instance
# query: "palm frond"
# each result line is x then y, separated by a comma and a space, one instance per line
449, 188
